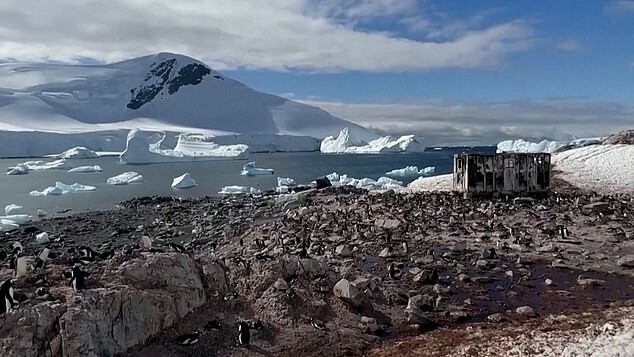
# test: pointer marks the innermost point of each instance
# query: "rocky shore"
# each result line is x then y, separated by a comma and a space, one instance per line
333, 272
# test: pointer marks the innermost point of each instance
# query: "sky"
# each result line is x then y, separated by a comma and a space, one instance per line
451, 71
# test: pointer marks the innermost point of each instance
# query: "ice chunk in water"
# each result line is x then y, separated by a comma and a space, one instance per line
125, 178
184, 181
95, 168
12, 209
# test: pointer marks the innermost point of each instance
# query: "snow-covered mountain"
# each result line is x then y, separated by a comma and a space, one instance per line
162, 92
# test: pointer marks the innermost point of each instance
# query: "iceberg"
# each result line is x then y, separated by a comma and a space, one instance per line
411, 171
41, 213
125, 178
382, 183
8, 225
184, 181
84, 169
344, 144
285, 181
16, 218
239, 190
140, 149
78, 152
523, 146
12, 209
62, 189
19, 169
250, 170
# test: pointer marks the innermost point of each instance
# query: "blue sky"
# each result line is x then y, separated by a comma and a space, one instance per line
452, 71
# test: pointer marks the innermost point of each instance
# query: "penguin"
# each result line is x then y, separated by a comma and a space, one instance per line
405, 248
318, 324
17, 248
6, 296
188, 339
393, 272
77, 279
212, 325
244, 335
177, 247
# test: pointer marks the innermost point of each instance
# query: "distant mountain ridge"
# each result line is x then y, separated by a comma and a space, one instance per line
164, 91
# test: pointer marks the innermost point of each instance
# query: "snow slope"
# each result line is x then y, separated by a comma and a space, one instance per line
161, 92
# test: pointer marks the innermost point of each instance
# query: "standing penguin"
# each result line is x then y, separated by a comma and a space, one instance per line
6, 296
77, 279
244, 335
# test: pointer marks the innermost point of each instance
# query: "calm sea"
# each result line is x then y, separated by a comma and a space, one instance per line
211, 176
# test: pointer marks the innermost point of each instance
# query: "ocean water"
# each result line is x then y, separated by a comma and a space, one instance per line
211, 176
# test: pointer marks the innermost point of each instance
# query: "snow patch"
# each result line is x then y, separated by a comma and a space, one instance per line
184, 181
523, 146
434, 183
125, 178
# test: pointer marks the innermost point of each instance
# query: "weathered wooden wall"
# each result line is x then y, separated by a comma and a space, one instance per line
502, 174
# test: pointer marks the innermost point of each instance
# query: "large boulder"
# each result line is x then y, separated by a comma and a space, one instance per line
623, 137
29, 331
349, 293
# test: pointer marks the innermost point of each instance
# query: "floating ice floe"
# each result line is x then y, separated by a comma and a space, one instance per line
86, 169
19, 169
190, 147
411, 171
62, 189
41, 213
239, 190
12, 209
8, 225
383, 183
284, 184
125, 178
250, 170
38, 165
78, 152
345, 144
184, 181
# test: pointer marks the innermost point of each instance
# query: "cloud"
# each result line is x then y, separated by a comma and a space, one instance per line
619, 7
569, 46
442, 123
308, 35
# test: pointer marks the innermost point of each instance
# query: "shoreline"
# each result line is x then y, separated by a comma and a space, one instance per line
244, 281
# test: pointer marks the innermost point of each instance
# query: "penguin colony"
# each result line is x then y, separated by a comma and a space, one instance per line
304, 233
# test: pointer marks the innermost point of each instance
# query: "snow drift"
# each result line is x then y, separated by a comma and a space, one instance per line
347, 143
47, 108
547, 146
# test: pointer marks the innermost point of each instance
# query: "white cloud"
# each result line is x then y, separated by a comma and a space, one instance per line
310, 35
619, 7
569, 46
442, 123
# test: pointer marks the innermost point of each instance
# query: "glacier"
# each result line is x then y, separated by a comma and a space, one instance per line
48, 108
346, 143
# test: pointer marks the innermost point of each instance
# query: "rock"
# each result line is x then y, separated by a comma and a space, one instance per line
596, 207
523, 201
385, 253
349, 293
496, 318
463, 277
526, 311
148, 295
548, 282
459, 315
423, 302
42, 238
370, 324
482, 264
27, 330
280, 284
292, 265
415, 315
427, 277
343, 250
626, 261
387, 224
213, 274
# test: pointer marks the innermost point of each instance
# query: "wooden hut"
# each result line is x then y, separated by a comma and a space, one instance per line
502, 174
